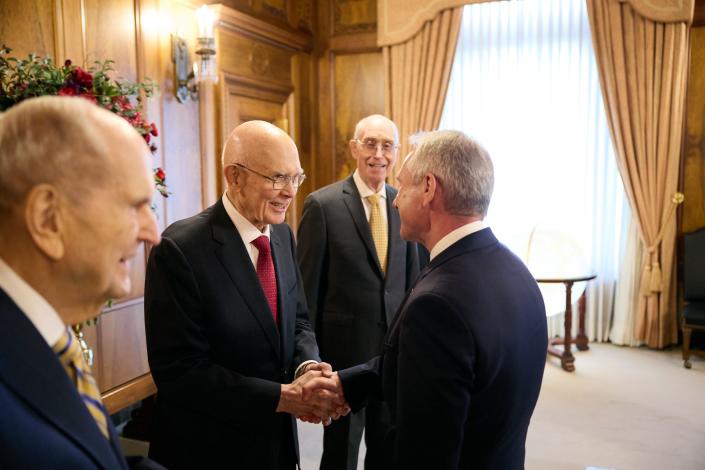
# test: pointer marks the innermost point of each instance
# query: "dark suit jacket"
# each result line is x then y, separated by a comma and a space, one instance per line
463, 362
216, 355
350, 300
43, 421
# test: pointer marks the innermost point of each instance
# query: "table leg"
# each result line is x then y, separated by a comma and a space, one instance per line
581, 341
567, 359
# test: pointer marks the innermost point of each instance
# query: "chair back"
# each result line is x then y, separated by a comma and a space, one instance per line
694, 265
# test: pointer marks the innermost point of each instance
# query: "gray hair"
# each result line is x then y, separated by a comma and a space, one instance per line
461, 165
51, 140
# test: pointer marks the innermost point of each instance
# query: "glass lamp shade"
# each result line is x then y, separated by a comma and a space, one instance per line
552, 254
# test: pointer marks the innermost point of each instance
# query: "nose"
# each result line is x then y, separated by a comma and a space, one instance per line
148, 229
290, 189
379, 150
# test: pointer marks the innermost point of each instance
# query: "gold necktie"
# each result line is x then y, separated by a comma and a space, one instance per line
379, 231
69, 353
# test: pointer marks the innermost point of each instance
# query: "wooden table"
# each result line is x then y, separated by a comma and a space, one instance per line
581, 340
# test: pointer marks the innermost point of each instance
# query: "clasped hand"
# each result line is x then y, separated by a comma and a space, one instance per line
316, 396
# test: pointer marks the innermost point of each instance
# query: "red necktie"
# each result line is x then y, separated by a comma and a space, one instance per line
265, 272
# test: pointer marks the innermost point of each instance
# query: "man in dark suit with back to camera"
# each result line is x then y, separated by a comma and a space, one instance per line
356, 270
226, 319
463, 360
75, 205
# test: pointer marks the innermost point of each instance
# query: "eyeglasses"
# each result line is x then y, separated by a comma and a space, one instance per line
279, 181
371, 145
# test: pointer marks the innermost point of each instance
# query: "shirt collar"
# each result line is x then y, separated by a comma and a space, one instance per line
248, 232
35, 307
365, 190
455, 235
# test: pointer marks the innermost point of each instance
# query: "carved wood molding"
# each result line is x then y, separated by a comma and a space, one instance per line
128, 393
354, 43
236, 21
256, 88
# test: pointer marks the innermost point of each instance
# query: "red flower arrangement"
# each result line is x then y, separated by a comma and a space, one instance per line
21, 79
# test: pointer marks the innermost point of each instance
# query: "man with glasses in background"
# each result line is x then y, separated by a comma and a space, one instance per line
226, 319
356, 270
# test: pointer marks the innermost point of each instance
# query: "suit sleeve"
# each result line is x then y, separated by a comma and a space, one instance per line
312, 247
180, 354
434, 377
362, 383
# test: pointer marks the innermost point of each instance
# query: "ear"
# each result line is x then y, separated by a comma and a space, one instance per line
430, 188
44, 220
353, 148
232, 175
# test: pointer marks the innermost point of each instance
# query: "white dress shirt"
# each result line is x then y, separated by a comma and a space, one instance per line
455, 235
248, 232
42, 315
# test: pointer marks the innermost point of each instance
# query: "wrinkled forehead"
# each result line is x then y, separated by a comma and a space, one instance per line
379, 129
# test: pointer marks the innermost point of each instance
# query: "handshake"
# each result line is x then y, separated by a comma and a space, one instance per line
316, 396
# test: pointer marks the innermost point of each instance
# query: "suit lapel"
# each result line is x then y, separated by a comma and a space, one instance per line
279, 257
238, 264
31, 369
353, 202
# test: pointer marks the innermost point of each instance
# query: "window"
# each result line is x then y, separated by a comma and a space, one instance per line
524, 84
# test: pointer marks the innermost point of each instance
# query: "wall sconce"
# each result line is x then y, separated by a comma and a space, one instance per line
186, 78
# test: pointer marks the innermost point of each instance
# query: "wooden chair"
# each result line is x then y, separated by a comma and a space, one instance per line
693, 317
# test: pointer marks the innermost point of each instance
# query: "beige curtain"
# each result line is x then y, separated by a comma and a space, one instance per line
641, 48
417, 72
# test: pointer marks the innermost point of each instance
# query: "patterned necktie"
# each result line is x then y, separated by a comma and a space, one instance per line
265, 272
70, 355
379, 231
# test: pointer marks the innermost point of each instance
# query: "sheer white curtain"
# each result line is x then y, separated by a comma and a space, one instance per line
525, 84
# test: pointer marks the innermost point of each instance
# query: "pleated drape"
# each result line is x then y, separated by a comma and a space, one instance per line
417, 73
642, 67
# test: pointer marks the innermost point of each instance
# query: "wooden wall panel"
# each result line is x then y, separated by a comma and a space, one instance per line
123, 350
354, 16
111, 33
181, 141
693, 172
28, 26
359, 92
260, 73
304, 100
266, 63
289, 14
70, 34
350, 79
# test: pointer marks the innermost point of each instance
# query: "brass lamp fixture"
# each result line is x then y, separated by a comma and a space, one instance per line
186, 77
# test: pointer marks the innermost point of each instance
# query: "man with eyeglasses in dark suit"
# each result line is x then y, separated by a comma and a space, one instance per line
356, 270
226, 319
